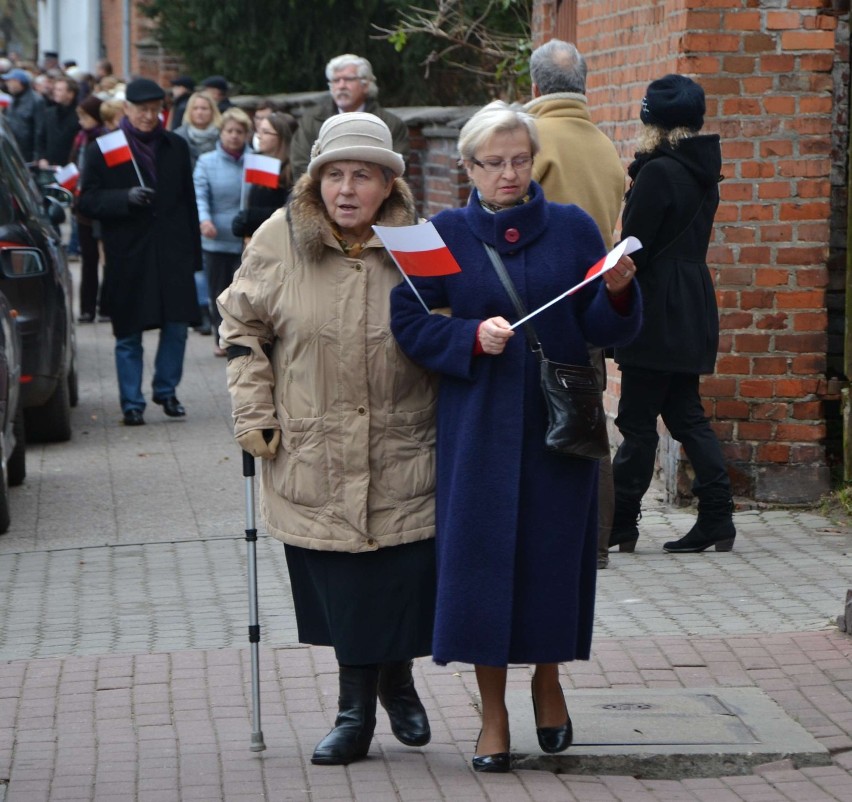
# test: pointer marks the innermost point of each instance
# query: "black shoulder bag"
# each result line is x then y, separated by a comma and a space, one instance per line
575, 411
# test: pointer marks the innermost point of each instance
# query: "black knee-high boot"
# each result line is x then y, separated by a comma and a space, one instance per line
398, 696
356, 718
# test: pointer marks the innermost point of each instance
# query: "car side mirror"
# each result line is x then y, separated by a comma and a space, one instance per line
58, 195
19, 262
55, 211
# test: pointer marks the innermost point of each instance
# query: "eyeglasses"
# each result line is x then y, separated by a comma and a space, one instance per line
347, 79
519, 164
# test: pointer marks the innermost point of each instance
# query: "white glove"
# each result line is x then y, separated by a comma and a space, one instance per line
255, 443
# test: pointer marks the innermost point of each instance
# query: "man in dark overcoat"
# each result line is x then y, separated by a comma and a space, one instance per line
153, 247
60, 124
25, 115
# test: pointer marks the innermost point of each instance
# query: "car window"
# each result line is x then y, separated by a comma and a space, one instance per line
7, 209
22, 188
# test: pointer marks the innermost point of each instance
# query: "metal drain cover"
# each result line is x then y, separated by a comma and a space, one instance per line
667, 734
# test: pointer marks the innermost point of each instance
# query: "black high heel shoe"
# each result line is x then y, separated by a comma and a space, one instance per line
553, 739
499, 763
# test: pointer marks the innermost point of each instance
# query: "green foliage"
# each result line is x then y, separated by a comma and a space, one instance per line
270, 46
487, 41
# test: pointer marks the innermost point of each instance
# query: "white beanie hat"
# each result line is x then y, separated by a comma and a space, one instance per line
354, 136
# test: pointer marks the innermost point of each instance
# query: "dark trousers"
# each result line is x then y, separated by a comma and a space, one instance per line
219, 269
646, 394
89, 258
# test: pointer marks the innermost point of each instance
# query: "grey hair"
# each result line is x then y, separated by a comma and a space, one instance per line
558, 66
364, 69
496, 118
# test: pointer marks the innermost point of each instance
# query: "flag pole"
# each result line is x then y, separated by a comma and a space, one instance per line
627, 246
136, 167
243, 188
405, 276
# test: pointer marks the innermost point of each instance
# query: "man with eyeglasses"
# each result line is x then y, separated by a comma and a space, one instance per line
352, 87
577, 164
149, 224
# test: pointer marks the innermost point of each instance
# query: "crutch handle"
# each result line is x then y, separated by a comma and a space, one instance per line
248, 464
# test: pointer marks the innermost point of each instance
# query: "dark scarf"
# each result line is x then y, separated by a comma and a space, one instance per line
144, 146
89, 135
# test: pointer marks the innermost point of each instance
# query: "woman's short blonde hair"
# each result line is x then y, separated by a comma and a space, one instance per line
200, 97
497, 117
237, 115
112, 111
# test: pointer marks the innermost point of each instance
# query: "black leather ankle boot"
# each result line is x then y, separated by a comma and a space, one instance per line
625, 519
714, 527
398, 696
356, 718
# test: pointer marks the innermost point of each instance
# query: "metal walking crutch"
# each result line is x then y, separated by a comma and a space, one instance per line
257, 744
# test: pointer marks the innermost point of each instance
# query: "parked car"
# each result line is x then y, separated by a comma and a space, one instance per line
36, 281
13, 467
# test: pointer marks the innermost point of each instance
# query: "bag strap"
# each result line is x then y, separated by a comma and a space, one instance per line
500, 269
687, 226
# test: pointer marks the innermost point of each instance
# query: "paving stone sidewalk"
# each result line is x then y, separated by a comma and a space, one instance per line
124, 673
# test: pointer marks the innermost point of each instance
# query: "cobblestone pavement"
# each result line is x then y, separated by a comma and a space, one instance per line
123, 668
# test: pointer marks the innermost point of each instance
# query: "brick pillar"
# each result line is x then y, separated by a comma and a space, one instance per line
445, 184
768, 76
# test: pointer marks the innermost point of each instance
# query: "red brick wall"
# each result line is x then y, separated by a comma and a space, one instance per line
777, 90
146, 57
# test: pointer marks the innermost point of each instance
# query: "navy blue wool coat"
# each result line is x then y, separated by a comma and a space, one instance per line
516, 525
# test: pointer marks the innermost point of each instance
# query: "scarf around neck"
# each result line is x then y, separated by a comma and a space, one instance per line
202, 138
144, 146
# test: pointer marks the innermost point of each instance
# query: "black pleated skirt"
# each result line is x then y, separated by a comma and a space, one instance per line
372, 607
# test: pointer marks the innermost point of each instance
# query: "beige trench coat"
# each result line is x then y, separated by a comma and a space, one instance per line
356, 468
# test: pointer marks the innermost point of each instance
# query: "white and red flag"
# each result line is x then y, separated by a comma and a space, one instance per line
115, 148
262, 170
626, 246
418, 250
5, 100
68, 176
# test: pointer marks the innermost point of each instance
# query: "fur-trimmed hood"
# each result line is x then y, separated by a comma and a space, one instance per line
310, 227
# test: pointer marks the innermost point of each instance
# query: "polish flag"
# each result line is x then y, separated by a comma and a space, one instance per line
5, 100
115, 148
262, 170
418, 250
68, 176
608, 262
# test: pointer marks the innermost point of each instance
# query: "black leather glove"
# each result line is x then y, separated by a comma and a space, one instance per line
238, 224
141, 196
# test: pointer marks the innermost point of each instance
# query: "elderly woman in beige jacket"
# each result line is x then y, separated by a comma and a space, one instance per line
344, 422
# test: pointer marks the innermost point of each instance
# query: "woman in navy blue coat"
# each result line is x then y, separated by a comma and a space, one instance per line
516, 524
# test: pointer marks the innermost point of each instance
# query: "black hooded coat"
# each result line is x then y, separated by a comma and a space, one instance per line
670, 208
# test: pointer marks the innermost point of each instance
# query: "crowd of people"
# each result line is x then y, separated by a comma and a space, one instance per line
401, 425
